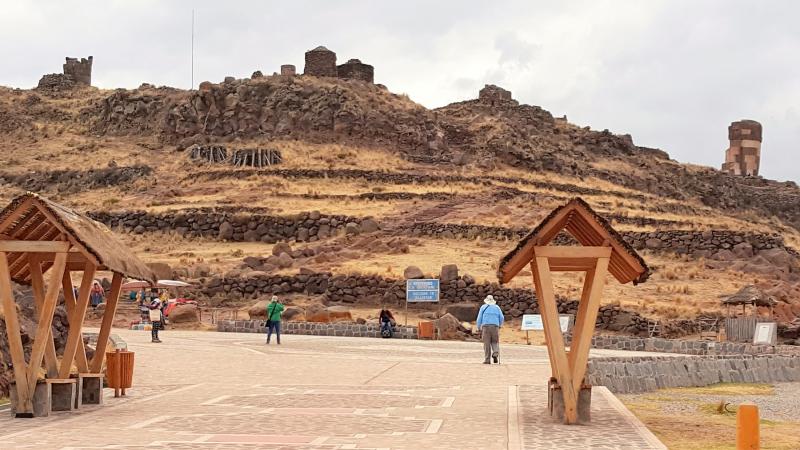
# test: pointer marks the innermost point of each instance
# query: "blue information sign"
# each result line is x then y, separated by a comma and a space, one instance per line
422, 290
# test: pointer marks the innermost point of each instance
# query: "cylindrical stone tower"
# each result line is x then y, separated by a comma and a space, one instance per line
743, 156
288, 69
354, 69
320, 62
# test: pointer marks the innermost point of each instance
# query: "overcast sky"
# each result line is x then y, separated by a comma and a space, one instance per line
673, 74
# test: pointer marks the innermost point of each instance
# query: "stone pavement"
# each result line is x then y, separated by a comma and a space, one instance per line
228, 391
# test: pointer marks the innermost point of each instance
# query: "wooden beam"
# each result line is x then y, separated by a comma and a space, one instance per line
537, 283
108, 320
34, 246
69, 301
555, 340
75, 336
584, 328
563, 251
72, 257
619, 249
74, 241
23, 207
24, 398
45, 321
37, 286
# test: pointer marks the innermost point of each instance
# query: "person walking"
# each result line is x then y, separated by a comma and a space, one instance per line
274, 311
490, 319
156, 319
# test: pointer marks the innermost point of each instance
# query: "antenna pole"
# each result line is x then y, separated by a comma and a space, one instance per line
192, 86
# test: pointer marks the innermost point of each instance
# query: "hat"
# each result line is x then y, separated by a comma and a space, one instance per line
489, 300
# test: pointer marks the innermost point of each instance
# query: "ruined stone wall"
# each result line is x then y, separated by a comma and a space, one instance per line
743, 156
688, 347
346, 329
320, 62
79, 70
495, 95
288, 70
354, 69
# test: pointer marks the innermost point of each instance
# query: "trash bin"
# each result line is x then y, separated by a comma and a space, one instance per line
425, 330
119, 371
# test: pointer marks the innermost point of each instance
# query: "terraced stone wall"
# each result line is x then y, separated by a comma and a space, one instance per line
345, 329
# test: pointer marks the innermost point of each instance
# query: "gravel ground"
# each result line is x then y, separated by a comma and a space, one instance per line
783, 405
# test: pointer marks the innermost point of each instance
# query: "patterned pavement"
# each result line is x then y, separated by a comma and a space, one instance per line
225, 391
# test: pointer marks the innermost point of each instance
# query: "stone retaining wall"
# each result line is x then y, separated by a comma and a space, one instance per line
696, 243
348, 329
627, 375
688, 347
237, 224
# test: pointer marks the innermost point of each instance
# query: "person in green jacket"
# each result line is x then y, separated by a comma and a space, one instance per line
274, 311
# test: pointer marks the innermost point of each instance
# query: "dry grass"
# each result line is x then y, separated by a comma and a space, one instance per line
706, 426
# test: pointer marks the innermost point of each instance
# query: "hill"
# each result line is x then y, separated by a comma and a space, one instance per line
362, 182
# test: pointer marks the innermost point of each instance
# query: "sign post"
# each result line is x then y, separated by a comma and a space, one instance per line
534, 322
421, 291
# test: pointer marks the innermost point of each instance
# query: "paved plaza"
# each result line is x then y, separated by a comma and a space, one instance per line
228, 391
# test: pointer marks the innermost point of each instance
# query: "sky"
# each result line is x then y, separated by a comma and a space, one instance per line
673, 74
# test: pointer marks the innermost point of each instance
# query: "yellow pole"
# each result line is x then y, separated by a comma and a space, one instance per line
747, 433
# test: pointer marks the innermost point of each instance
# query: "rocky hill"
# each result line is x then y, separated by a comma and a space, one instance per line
364, 182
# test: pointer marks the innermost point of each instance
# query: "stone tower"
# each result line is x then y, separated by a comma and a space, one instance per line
80, 71
320, 62
354, 69
288, 69
743, 156
495, 95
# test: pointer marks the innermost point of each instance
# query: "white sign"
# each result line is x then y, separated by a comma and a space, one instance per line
533, 322
766, 333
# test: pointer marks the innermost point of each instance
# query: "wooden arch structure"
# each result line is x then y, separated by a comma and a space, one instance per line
602, 250
38, 236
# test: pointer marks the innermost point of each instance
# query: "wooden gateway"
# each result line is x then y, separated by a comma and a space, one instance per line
38, 236
601, 250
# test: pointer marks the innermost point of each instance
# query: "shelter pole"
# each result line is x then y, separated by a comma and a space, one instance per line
555, 340
542, 308
24, 399
579, 352
37, 286
105, 328
406, 312
43, 330
76, 320
70, 301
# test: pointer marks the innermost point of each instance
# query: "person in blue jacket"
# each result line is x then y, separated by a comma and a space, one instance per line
490, 319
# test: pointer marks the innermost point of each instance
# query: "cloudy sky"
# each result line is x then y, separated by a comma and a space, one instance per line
673, 74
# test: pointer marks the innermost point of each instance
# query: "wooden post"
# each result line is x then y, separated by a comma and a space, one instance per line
70, 301
45, 320
24, 406
76, 316
37, 286
555, 340
579, 351
105, 328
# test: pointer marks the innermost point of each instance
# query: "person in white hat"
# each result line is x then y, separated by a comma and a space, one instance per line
490, 319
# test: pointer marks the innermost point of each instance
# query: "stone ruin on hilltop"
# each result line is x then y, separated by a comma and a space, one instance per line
321, 62
743, 155
496, 96
76, 72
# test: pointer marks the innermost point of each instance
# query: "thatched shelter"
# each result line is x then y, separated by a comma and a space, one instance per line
39, 237
749, 295
602, 250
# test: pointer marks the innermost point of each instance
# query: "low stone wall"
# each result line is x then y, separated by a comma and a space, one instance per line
347, 329
697, 243
689, 347
374, 288
237, 224
643, 374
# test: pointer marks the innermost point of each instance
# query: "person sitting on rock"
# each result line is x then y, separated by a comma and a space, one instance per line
386, 320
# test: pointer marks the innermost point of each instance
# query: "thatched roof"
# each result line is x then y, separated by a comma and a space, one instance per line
750, 295
588, 228
30, 217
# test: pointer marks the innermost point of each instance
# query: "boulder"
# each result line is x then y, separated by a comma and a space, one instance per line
369, 226
284, 261
330, 314
465, 312
252, 262
351, 228
449, 273
777, 256
258, 310
225, 231
413, 272
162, 270
281, 247
292, 313
184, 314
743, 250
653, 243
